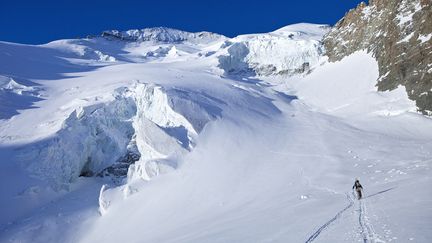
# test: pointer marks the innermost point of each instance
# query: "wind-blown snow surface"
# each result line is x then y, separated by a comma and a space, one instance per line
223, 156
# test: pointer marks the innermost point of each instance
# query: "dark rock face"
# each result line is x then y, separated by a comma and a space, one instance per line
398, 33
120, 168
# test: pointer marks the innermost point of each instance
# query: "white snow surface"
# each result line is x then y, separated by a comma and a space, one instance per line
424, 38
238, 142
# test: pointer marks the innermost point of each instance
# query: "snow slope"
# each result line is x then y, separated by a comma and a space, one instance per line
228, 140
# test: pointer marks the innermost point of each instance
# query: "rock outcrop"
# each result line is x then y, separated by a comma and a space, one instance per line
398, 33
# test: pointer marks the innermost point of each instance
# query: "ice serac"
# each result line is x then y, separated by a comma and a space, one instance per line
15, 96
398, 33
141, 123
290, 50
10, 85
167, 124
162, 34
91, 139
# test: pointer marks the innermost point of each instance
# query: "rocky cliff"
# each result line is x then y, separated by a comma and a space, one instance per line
398, 33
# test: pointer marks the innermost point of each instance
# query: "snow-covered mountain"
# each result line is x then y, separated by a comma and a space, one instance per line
161, 135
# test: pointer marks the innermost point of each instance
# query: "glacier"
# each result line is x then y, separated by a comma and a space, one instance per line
162, 135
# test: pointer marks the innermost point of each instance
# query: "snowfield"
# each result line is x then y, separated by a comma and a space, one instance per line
160, 135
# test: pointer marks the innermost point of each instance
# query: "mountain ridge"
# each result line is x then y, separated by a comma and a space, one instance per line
161, 34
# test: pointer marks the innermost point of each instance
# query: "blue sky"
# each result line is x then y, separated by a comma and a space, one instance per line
41, 21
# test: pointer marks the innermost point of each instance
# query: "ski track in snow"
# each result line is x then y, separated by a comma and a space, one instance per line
366, 229
328, 223
380, 192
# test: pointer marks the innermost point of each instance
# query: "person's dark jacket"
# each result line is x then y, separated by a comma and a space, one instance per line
357, 185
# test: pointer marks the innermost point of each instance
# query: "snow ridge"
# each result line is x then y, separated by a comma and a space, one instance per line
162, 34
